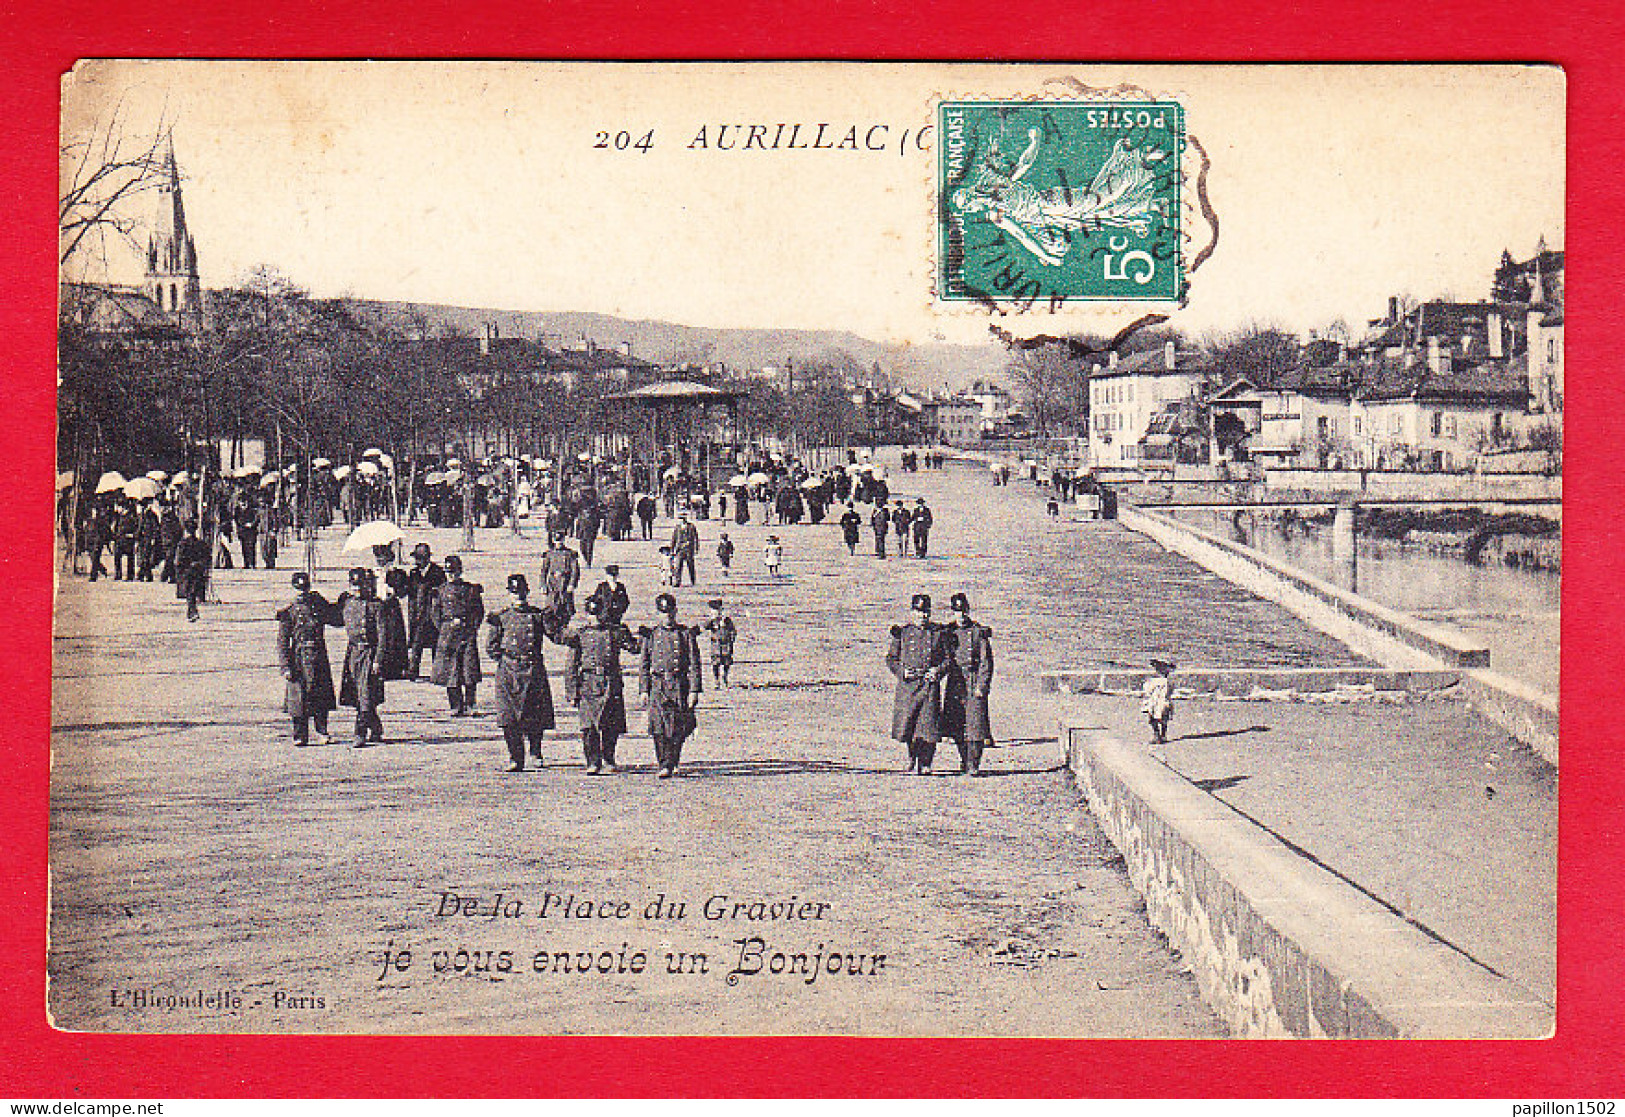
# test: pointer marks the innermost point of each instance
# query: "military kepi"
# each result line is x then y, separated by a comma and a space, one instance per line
922, 602
518, 584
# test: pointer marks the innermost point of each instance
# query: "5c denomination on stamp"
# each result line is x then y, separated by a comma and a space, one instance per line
1049, 202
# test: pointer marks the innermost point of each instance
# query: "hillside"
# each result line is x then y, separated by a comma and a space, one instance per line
922, 367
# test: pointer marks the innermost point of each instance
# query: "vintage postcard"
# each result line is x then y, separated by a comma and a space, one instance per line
808, 549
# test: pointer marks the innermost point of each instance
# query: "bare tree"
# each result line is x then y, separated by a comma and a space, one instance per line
100, 174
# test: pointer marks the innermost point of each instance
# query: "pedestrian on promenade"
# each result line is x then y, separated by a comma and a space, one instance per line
613, 594
459, 607
672, 679
423, 582
301, 653
880, 521
561, 574
917, 658
773, 555
395, 658
725, 552
191, 570
901, 517
592, 683
965, 686
524, 699
851, 522
646, 510
685, 544
1157, 700
126, 527
363, 682
921, 526
720, 628
148, 540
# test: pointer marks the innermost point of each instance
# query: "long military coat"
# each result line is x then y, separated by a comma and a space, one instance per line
917, 657
671, 672
592, 675
561, 573
301, 651
966, 684
458, 610
363, 682
421, 586
524, 698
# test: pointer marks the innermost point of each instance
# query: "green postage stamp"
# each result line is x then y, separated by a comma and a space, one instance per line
1049, 202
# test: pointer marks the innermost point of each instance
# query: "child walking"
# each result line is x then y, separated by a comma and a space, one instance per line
720, 627
725, 552
1157, 702
773, 555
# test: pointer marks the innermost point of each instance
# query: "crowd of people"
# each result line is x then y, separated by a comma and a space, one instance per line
168, 530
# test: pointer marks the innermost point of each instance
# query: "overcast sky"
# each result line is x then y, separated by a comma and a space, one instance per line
478, 184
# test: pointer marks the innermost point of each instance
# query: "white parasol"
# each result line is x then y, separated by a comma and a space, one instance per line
372, 452
341, 473
63, 480
386, 461
367, 469
158, 475
758, 479
434, 478
110, 481
374, 533
670, 473
142, 488
270, 479
812, 483
319, 463
738, 479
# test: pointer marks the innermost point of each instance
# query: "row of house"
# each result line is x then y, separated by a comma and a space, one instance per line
1430, 386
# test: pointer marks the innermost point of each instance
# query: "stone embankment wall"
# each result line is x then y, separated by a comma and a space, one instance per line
1385, 635
1279, 946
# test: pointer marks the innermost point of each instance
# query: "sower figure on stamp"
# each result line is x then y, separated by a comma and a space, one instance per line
423, 581
524, 699
672, 677
917, 657
592, 680
363, 682
301, 653
965, 686
458, 610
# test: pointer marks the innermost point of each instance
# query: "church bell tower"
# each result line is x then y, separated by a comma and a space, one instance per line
172, 279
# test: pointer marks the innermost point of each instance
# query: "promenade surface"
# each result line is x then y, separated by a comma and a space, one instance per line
195, 850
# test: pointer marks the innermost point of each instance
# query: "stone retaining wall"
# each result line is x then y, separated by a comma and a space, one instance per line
1279, 946
1387, 636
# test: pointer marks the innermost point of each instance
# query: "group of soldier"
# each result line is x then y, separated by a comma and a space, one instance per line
944, 674
445, 612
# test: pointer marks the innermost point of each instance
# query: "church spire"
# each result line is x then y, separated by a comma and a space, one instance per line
172, 276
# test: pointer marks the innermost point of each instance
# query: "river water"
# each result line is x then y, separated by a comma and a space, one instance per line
1514, 611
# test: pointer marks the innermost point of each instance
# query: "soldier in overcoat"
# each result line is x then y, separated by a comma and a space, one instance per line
965, 686
459, 607
524, 699
917, 656
301, 653
673, 678
423, 581
592, 681
363, 682
561, 574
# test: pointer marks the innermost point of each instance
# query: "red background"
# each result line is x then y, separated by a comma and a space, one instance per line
43, 41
